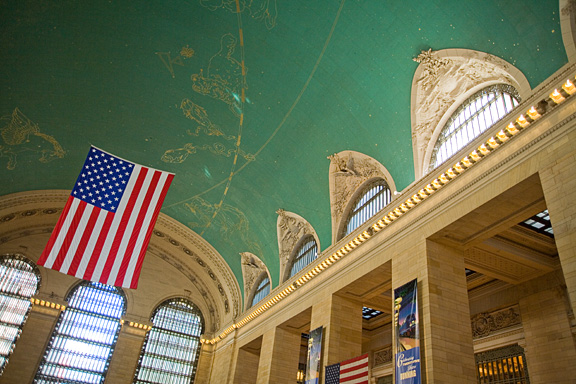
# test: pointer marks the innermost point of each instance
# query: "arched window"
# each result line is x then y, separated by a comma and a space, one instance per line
478, 113
19, 281
262, 290
84, 337
373, 197
304, 254
171, 349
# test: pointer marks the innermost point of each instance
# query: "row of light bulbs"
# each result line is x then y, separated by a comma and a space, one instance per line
521, 122
50, 304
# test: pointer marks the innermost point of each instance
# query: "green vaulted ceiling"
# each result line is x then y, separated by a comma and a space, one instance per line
242, 99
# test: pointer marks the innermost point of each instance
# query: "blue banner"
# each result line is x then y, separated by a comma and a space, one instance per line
407, 340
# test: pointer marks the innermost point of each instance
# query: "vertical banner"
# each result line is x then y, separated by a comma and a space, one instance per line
314, 356
407, 341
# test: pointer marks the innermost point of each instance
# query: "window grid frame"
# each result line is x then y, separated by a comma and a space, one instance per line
374, 196
304, 254
162, 332
15, 301
70, 320
262, 286
503, 96
506, 365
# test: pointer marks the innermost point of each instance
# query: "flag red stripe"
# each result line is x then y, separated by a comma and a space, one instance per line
354, 368
74, 225
55, 232
124, 221
137, 228
101, 236
136, 275
84, 241
365, 356
353, 377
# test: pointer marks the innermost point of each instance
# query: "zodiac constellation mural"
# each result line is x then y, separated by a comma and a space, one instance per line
225, 77
195, 112
230, 221
259, 9
181, 154
169, 61
20, 134
198, 114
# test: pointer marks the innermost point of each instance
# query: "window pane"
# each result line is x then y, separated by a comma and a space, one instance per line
19, 281
262, 291
374, 197
85, 335
472, 118
307, 252
170, 352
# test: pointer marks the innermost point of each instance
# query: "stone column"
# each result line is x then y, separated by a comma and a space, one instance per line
126, 354
205, 360
29, 350
446, 347
246, 371
342, 336
559, 186
279, 357
550, 349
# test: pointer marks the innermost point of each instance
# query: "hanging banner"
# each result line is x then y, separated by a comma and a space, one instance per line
407, 340
314, 356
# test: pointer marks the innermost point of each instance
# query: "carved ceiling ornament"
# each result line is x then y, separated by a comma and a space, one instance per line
442, 81
348, 171
291, 228
252, 268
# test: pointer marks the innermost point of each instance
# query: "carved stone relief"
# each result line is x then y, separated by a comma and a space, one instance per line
348, 171
383, 356
252, 268
441, 82
484, 324
291, 228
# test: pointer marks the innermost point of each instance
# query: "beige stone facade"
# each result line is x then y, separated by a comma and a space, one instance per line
523, 292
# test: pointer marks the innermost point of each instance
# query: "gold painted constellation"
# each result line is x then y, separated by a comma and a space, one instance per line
195, 112
259, 9
21, 134
229, 221
181, 154
225, 79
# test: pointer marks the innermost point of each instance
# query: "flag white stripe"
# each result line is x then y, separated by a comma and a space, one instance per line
353, 364
62, 234
89, 251
115, 224
145, 226
130, 227
80, 229
360, 380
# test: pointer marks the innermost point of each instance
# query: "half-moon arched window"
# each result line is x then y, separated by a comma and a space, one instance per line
171, 349
262, 290
19, 281
304, 254
372, 198
84, 337
476, 114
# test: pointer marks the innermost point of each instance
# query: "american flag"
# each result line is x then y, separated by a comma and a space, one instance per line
105, 227
353, 371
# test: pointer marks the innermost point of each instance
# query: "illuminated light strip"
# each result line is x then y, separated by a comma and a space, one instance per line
522, 121
47, 304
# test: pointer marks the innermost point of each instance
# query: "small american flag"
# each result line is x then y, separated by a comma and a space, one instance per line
353, 371
105, 227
